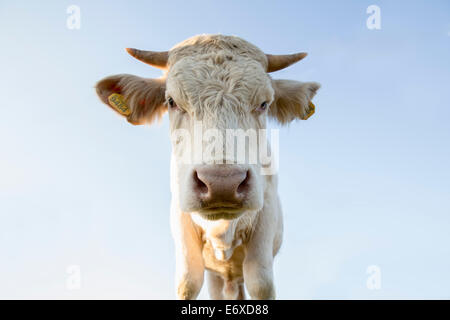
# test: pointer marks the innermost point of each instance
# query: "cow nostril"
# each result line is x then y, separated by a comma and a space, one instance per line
199, 185
244, 186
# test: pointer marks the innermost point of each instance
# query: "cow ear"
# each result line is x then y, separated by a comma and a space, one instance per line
139, 100
292, 100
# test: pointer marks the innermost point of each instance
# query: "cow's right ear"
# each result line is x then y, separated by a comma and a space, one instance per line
139, 100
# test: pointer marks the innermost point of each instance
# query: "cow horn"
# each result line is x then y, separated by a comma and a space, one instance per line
278, 62
156, 59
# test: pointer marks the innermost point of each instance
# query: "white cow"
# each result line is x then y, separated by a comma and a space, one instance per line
225, 212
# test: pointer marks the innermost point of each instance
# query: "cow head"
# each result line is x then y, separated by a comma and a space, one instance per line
218, 93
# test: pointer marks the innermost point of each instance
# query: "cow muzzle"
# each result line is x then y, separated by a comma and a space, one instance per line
221, 190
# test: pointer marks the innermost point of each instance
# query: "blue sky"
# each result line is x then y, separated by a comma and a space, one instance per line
363, 182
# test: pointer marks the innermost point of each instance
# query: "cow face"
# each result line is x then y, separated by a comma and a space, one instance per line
220, 100
218, 94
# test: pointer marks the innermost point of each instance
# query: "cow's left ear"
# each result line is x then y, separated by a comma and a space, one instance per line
139, 100
292, 100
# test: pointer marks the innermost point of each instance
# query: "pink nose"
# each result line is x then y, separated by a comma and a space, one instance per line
221, 184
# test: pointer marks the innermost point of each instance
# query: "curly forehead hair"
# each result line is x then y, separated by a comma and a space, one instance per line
204, 44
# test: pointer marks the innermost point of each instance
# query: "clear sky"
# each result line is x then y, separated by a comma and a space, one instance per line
363, 182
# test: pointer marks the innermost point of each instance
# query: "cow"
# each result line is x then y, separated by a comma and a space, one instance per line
225, 215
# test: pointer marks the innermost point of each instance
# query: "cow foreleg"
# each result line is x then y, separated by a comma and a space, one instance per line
258, 263
258, 277
215, 286
188, 258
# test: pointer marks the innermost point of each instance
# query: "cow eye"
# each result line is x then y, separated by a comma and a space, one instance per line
262, 107
173, 104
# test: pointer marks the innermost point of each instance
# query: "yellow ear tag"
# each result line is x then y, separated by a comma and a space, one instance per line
117, 101
311, 110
